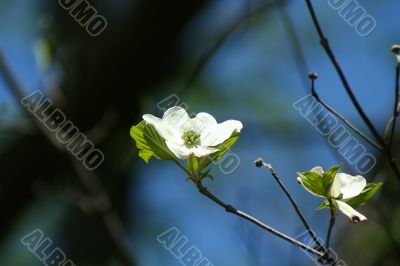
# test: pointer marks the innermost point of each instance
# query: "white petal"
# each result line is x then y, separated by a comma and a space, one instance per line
354, 215
151, 119
167, 132
220, 132
176, 117
317, 170
202, 151
180, 151
201, 123
347, 185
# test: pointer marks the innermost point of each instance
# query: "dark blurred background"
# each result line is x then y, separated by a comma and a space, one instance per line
231, 58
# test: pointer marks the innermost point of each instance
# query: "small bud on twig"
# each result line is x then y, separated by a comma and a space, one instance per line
396, 51
259, 162
313, 76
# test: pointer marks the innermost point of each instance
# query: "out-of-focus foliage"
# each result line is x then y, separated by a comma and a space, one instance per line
148, 51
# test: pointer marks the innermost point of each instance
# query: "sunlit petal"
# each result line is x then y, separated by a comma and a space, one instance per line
203, 151
166, 131
354, 215
176, 117
220, 132
347, 185
202, 123
180, 151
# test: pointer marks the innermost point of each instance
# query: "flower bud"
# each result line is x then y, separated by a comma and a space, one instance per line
259, 162
313, 76
396, 51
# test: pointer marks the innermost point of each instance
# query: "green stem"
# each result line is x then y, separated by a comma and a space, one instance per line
331, 223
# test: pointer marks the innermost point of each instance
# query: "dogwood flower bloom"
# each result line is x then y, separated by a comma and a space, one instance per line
198, 136
344, 187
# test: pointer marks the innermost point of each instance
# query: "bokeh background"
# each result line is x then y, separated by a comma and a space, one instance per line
219, 59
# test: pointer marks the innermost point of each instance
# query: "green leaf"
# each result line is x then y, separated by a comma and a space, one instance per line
313, 182
333, 170
329, 176
223, 148
324, 204
369, 190
226, 145
150, 143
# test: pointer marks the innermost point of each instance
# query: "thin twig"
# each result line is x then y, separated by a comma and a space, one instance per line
229, 208
259, 162
344, 120
325, 44
331, 224
91, 181
395, 108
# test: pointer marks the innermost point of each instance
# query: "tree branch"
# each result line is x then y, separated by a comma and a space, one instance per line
338, 115
229, 208
259, 163
325, 44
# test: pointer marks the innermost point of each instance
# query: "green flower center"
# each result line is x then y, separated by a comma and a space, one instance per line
191, 138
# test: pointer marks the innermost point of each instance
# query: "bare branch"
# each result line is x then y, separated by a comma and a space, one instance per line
325, 44
344, 120
260, 163
229, 208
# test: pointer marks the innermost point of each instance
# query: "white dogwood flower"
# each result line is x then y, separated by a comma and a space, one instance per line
344, 187
196, 136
